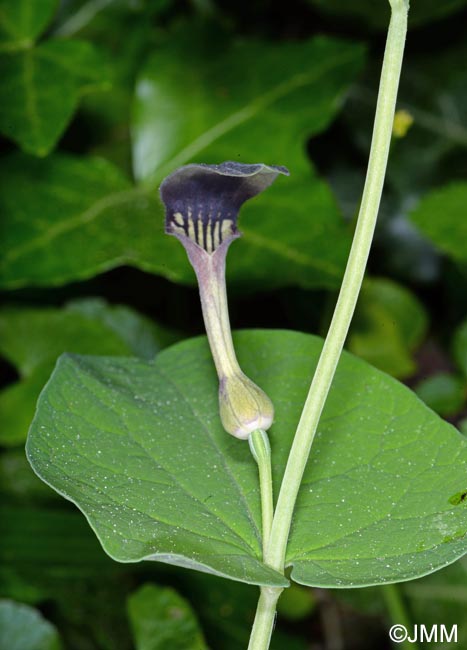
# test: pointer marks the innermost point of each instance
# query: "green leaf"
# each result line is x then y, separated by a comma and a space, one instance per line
161, 618
139, 448
82, 217
377, 14
67, 218
296, 603
22, 21
389, 325
144, 337
440, 598
18, 481
41, 87
24, 628
444, 393
203, 96
64, 546
32, 339
440, 217
226, 610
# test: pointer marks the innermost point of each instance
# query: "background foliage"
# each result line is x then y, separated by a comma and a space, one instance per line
99, 100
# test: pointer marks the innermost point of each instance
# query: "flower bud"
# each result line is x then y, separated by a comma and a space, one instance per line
243, 406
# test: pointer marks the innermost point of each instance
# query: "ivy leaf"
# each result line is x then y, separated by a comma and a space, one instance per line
440, 217
203, 96
161, 618
41, 87
32, 339
67, 218
139, 448
23, 628
389, 325
45, 229
22, 21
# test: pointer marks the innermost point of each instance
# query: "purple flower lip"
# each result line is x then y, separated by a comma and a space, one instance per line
202, 201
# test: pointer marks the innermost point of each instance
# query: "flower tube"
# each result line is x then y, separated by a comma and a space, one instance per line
202, 204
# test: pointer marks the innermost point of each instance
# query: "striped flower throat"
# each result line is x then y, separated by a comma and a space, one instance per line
208, 228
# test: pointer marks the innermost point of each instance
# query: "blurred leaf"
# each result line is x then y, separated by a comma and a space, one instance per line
143, 336
64, 546
162, 619
97, 220
440, 217
24, 628
293, 235
376, 13
22, 21
433, 91
204, 97
459, 347
18, 481
226, 610
67, 218
41, 87
376, 493
296, 603
32, 339
440, 598
444, 393
389, 324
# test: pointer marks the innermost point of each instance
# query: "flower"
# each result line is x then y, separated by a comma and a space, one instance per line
202, 204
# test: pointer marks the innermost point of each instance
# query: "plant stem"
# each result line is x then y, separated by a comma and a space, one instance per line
350, 288
261, 450
264, 619
398, 612
351, 284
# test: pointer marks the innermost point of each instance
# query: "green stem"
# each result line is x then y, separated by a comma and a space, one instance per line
351, 284
350, 288
261, 450
398, 612
265, 617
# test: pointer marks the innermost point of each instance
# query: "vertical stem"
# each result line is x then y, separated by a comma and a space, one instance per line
398, 612
351, 284
265, 617
350, 288
261, 451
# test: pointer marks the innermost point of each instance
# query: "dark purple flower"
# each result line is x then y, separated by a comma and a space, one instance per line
202, 204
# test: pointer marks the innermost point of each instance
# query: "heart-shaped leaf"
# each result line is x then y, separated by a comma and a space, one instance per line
138, 446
